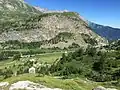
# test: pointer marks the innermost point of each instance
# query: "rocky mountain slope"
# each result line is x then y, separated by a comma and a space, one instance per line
106, 31
15, 9
45, 27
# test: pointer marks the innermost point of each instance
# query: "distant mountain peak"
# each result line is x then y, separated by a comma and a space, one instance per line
45, 10
41, 9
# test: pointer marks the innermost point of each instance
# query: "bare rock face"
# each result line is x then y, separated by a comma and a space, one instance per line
48, 26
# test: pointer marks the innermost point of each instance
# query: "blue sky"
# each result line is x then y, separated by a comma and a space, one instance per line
105, 12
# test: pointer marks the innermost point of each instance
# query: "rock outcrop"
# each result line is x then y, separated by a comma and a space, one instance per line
27, 85
103, 88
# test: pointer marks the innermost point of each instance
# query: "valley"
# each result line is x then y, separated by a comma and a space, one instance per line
60, 79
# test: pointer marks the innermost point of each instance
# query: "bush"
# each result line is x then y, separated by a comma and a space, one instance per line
17, 57
96, 76
7, 72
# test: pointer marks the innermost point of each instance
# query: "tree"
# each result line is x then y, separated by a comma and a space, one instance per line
101, 65
7, 72
63, 59
17, 57
116, 75
91, 51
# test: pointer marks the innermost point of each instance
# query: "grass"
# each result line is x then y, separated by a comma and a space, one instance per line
49, 58
46, 57
49, 81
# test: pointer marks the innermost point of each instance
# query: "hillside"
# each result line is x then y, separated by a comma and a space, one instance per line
106, 31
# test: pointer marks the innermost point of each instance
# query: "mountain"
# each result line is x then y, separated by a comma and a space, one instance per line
105, 31
52, 29
59, 29
15, 9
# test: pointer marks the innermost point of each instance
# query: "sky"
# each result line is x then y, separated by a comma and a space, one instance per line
104, 12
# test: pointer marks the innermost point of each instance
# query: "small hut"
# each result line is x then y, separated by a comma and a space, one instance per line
32, 70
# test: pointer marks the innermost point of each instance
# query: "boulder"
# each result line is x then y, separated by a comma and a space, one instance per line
3, 85
103, 88
99, 88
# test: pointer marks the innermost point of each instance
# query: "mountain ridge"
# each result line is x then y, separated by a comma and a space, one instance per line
108, 32
15, 9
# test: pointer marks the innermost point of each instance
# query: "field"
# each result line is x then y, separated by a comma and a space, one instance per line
42, 58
